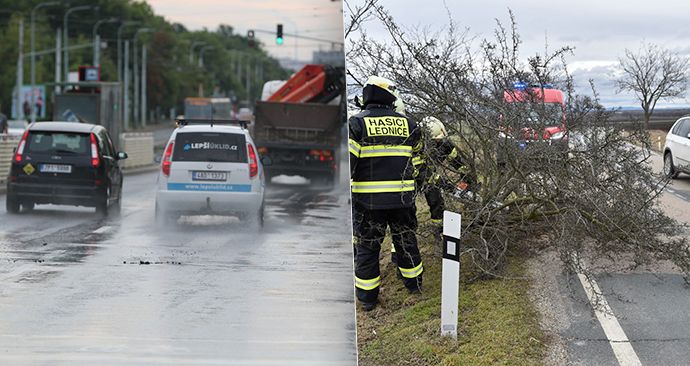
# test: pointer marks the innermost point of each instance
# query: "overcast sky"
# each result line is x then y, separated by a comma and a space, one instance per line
600, 30
314, 18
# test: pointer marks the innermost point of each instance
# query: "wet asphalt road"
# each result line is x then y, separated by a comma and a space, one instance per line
76, 289
652, 307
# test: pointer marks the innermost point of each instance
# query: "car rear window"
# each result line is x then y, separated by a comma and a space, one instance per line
210, 146
58, 143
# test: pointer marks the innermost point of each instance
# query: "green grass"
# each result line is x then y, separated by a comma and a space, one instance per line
497, 326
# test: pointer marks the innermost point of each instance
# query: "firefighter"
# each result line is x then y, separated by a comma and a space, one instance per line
438, 153
381, 145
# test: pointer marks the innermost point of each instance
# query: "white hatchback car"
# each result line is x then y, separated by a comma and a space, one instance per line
677, 148
210, 169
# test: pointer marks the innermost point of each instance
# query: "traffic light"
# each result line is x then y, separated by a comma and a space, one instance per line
250, 38
279, 34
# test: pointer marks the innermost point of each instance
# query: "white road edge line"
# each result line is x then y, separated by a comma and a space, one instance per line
617, 339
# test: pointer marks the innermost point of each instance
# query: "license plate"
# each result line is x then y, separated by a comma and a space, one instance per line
214, 176
55, 168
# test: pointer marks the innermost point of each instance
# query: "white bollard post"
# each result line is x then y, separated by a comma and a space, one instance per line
450, 283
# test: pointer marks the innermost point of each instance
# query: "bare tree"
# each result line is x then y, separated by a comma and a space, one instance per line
593, 197
653, 73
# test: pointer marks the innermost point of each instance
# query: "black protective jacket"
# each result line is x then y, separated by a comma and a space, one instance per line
382, 143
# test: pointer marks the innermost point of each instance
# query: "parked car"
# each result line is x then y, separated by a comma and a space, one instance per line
210, 168
65, 163
677, 148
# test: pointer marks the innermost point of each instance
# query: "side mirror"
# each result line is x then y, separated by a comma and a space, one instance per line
121, 155
266, 160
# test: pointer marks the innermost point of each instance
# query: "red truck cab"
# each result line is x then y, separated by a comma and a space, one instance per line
554, 108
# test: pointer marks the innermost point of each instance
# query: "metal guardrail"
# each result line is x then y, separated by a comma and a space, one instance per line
7, 145
139, 148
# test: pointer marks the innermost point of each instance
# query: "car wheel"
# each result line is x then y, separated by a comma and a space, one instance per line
102, 203
28, 206
260, 217
669, 170
117, 206
12, 205
162, 217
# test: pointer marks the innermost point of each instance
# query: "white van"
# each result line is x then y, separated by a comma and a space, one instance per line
210, 168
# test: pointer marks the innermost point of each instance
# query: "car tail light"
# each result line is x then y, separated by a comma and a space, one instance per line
95, 161
20, 150
167, 162
321, 155
253, 164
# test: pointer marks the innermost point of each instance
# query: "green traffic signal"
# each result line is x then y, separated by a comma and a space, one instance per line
279, 34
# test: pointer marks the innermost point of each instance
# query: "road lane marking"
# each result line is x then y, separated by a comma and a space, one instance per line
614, 332
103, 230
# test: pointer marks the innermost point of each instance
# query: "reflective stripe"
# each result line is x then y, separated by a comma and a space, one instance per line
392, 248
367, 285
354, 147
418, 147
436, 221
434, 178
374, 151
453, 154
417, 160
412, 273
383, 186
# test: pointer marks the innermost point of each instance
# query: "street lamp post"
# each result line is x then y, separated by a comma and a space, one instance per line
119, 45
97, 40
33, 56
65, 44
135, 70
191, 50
201, 54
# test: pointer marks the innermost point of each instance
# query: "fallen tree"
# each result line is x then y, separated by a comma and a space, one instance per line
592, 193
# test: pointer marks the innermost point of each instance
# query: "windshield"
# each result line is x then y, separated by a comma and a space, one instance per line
544, 114
210, 146
58, 143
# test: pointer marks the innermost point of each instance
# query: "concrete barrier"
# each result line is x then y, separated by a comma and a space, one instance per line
139, 148
7, 146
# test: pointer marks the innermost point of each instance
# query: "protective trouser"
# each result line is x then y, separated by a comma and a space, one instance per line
436, 205
370, 229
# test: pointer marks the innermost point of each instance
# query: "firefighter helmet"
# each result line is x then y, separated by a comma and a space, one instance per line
399, 105
379, 90
435, 128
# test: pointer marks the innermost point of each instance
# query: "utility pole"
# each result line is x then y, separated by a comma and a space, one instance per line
143, 85
119, 46
33, 56
135, 71
249, 77
125, 106
58, 59
20, 71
